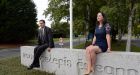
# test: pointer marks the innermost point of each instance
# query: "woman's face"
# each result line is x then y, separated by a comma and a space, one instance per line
100, 17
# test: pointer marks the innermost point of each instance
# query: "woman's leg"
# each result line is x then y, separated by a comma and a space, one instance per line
88, 57
93, 52
91, 57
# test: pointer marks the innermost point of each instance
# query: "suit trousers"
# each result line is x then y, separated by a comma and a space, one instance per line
37, 53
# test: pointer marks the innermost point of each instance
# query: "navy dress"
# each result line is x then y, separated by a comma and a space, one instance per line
100, 33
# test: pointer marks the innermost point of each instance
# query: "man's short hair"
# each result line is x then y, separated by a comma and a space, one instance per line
42, 21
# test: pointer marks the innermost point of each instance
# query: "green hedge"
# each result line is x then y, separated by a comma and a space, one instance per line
17, 20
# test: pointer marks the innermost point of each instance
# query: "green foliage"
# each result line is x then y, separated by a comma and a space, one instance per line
60, 29
59, 9
136, 26
17, 21
117, 15
118, 12
85, 11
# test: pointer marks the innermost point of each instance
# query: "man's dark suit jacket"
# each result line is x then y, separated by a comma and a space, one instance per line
48, 41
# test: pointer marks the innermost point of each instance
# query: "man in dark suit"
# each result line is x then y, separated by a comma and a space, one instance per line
45, 41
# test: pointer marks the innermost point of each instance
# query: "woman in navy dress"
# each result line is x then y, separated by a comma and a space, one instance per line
101, 42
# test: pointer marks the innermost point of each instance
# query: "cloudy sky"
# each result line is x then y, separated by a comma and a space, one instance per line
41, 5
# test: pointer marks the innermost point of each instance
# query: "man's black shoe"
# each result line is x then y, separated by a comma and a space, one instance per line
37, 66
31, 67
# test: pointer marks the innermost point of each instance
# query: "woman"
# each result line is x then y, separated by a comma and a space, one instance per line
101, 42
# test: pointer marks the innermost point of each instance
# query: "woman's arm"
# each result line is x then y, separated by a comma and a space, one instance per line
94, 40
108, 37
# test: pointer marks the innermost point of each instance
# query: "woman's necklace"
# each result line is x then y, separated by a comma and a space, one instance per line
100, 26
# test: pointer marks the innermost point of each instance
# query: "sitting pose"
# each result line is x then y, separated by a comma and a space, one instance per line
101, 42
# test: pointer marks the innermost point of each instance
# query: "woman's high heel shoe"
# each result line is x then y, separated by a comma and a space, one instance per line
88, 73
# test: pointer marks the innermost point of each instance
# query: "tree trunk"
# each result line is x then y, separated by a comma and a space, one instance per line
128, 45
120, 35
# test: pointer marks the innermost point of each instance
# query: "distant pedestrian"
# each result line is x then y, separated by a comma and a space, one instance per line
61, 42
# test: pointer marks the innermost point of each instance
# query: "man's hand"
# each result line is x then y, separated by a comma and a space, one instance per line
49, 49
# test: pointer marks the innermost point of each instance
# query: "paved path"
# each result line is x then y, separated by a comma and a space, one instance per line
136, 42
9, 52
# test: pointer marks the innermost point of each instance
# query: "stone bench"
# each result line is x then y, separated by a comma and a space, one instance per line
63, 61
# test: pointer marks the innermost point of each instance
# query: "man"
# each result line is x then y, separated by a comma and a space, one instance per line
45, 41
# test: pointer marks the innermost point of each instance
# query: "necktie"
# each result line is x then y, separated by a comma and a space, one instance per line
42, 34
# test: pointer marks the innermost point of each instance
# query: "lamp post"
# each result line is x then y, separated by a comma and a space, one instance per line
71, 25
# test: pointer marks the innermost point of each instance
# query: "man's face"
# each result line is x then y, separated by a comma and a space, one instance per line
41, 24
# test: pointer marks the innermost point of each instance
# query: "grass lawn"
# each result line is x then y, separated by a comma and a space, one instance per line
81, 46
12, 66
116, 46
122, 45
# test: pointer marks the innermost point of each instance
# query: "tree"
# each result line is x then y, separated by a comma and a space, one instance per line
132, 9
60, 29
17, 21
136, 22
121, 13
84, 13
117, 15
58, 10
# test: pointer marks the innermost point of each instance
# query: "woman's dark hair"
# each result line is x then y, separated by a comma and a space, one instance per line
105, 19
42, 21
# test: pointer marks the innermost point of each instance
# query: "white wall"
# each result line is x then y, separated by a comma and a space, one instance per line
63, 61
